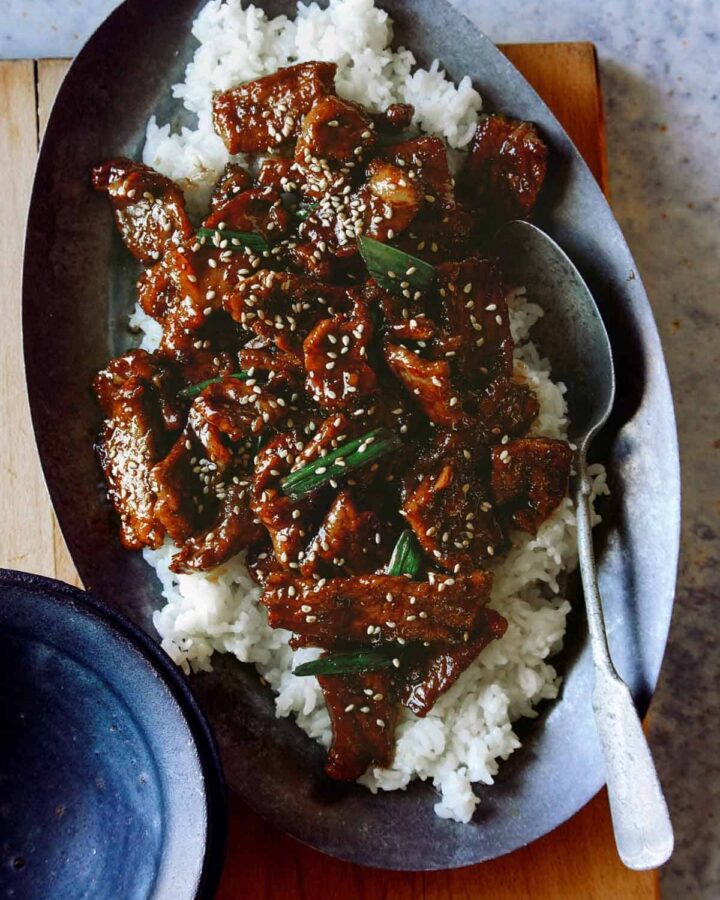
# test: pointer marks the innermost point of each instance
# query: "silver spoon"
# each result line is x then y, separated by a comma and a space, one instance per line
573, 335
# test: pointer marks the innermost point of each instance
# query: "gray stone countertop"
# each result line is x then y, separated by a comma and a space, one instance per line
660, 64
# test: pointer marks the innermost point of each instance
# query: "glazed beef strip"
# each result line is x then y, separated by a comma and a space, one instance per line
428, 678
369, 609
363, 711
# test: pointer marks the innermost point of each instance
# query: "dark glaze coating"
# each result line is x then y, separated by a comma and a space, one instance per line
529, 478
268, 112
363, 709
149, 208
430, 676
506, 166
328, 355
372, 609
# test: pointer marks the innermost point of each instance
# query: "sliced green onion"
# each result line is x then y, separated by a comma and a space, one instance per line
393, 268
406, 557
236, 240
192, 390
305, 210
336, 464
369, 660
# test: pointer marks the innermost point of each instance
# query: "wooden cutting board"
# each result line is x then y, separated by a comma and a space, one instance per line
578, 860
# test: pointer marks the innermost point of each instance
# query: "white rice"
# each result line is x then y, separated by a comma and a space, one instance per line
470, 728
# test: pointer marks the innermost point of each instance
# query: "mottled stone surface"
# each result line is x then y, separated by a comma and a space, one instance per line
661, 79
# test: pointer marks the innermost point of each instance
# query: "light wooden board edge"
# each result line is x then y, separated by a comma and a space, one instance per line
576, 860
576, 99
27, 529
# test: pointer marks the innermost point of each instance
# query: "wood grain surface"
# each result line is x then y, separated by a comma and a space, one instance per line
577, 860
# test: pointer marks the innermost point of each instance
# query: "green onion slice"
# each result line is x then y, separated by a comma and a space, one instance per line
406, 557
192, 390
336, 464
305, 210
393, 268
236, 240
346, 663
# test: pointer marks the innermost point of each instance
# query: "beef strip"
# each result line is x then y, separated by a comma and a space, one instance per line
234, 180
338, 374
268, 112
392, 200
396, 117
349, 541
230, 413
334, 136
428, 382
184, 293
425, 160
149, 208
177, 483
443, 227
289, 521
234, 528
442, 230
127, 450
372, 608
475, 316
335, 131
281, 373
403, 320
529, 479
283, 307
279, 173
327, 239
135, 392
318, 264
194, 480
505, 408
506, 167
428, 678
447, 504
363, 712
254, 211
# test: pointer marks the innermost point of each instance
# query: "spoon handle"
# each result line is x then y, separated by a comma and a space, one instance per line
641, 822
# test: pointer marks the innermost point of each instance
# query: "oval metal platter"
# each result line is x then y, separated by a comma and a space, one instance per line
78, 286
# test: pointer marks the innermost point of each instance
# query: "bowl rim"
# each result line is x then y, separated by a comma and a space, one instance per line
74, 601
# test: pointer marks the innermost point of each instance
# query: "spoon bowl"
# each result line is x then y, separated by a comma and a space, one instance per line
571, 331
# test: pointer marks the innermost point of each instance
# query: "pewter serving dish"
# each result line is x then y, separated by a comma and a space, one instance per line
78, 285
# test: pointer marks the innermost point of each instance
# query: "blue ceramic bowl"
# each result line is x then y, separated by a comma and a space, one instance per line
110, 780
